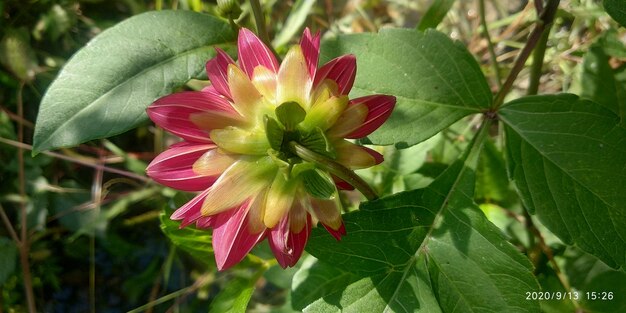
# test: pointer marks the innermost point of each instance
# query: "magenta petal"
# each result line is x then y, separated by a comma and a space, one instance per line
190, 212
231, 237
342, 70
252, 52
172, 112
286, 245
311, 49
336, 233
342, 184
217, 70
174, 167
379, 108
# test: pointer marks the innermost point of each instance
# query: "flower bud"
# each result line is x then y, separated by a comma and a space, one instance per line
229, 9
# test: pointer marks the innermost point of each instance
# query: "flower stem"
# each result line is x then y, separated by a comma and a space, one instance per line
546, 16
492, 51
334, 168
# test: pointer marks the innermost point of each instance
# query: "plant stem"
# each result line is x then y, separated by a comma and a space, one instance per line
492, 51
335, 168
259, 19
535, 69
545, 20
21, 145
24, 245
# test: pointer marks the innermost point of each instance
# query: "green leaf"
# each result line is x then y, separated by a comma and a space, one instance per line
105, 87
274, 133
426, 250
588, 274
492, 183
436, 82
567, 156
8, 251
316, 141
194, 241
290, 114
617, 10
435, 14
317, 185
235, 297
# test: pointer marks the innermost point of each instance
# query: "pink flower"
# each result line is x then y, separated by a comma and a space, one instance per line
236, 150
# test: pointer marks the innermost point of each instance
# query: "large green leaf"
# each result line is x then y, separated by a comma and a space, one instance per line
105, 87
617, 10
426, 250
436, 82
567, 157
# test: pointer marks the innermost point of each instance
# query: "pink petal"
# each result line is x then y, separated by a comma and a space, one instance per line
379, 108
205, 222
341, 184
336, 233
173, 112
311, 49
190, 212
174, 167
342, 70
253, 52
286, 245
231, 237
217, 70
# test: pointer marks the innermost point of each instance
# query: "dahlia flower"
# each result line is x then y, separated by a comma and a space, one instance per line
250, 141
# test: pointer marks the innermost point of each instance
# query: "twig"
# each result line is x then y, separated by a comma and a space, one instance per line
492, 51
545, 20
21, 145
535, 69
9, 226
24, 246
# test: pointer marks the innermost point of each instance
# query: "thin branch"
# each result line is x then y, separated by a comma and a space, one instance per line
537, 66
545, 20
9, 226
77, 161
24, 247
492, 51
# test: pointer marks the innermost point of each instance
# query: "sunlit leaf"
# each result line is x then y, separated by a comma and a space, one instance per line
567, 156
436, 81
106, 86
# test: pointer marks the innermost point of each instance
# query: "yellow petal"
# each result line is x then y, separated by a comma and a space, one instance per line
297, 217
327, 212
294, 81
242, 180
237, 140
215, 120
245, 96
255, 213
351, 119
265, 82
324, 115
213, 162
352, 156
279, 199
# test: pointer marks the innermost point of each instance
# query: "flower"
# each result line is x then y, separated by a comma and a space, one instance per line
240, 137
